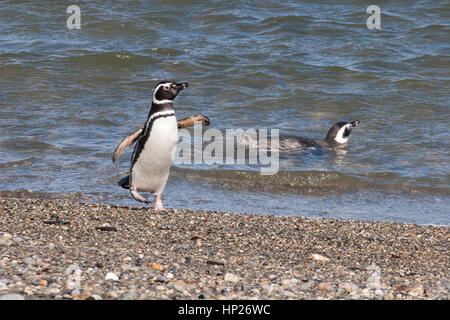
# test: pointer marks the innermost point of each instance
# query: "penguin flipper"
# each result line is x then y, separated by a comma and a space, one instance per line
126, 142
190, 121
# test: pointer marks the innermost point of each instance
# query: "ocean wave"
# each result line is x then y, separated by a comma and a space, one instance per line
310, 183
19, 163
116, 59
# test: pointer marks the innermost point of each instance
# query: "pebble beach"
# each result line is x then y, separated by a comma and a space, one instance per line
64, 249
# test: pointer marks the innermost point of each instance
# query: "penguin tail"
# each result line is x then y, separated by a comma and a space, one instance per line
125, 182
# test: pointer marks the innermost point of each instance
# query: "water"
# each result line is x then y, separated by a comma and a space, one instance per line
67, 97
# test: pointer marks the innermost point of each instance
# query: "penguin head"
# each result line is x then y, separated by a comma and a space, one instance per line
339, 132
166, 91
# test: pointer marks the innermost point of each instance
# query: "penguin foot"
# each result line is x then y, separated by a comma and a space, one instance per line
138, 197
158, 204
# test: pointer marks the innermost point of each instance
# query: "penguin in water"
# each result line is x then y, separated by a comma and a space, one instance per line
337, 136
155, 145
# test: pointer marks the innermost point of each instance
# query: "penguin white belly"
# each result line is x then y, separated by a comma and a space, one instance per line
151, 170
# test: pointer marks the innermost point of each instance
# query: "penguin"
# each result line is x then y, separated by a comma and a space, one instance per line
337, 136
155, 144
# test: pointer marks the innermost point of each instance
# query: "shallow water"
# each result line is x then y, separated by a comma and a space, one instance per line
67, 97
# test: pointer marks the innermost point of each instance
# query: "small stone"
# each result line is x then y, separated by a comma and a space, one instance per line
12, 296
28, 290
29, 261
73, 273
94, 297
129, 296
289, 283
231, 277
157, 266
226, 291
203, 296
178, 285
111, 276
318, 257
43, 283
113, 294
75, 293
289, 294
379, 292
17, 239
348, 287
374, 280
5, 239
306, 285
389, 296
268, 289
160, 279
126, 267
324, 286
416, 291
365, 292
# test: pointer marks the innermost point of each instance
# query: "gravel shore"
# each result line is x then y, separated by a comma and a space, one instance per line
60, 249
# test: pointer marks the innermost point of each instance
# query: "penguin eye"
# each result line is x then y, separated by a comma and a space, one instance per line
166, 87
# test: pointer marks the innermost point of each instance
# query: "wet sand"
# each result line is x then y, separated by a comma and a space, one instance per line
62, 249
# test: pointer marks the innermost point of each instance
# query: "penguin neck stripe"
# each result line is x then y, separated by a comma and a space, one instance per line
159, 114
165, 101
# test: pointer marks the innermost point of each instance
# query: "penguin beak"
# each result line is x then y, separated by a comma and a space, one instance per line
180, 86
354, 123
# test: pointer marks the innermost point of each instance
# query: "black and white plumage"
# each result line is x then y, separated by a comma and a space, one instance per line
155, 144
337, 135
